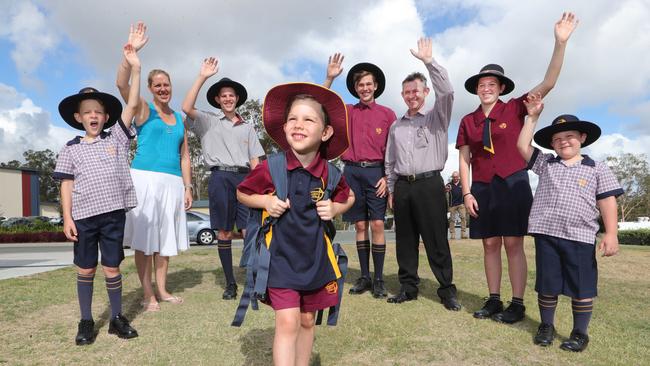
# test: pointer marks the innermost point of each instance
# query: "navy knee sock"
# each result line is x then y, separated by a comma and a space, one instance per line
581, 314
547, 305
114, 289
363, 249
517, 300
378, 255
85, 294
225, 255
495, 297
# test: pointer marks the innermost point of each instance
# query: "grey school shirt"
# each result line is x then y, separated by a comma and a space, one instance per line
225, 143
417, 144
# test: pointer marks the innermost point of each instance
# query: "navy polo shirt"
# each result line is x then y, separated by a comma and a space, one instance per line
456, 194
301, 256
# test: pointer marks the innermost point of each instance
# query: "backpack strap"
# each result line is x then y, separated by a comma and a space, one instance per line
333, 178
257, 271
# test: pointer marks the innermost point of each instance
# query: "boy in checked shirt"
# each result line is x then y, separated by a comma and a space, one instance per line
573, 190
96, 191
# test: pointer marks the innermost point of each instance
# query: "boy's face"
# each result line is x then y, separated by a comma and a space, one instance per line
414, 93
365, 88
305, 128
488, 89
92, 116
567, 143
227, 99
161, 88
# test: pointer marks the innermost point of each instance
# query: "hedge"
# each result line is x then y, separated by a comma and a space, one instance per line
634, 237
44, 236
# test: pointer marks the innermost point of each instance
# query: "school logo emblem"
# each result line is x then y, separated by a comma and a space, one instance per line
561, 120
317, 194
503, 125
332, 288
582, 182
110, 151
378, 130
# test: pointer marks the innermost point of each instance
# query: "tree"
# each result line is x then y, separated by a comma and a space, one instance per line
44, 161
11, 164
200, 171
251, 111
633, 175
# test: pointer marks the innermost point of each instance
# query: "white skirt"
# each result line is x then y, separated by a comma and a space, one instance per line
158, 223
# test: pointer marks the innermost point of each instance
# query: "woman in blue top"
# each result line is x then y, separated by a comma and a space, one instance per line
156, 228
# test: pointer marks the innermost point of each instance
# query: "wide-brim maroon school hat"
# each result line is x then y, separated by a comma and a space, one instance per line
274, 115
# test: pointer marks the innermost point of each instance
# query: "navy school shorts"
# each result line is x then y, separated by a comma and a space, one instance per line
565, 267
104, 230
225, 210
504, 206
367, 206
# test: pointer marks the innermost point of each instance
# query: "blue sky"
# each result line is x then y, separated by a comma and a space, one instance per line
279, 46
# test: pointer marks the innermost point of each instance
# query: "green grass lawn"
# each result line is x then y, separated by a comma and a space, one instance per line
39, 314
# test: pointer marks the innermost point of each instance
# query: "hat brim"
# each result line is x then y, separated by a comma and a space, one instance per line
213, 92
472, 82
380, 79
543, 137
275, 104
70, 105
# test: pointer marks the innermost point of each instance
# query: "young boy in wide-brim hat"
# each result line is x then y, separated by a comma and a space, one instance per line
369, 123
309, 122
96, 192
573, 191
230, 148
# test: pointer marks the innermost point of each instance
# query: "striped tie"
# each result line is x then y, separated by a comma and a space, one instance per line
487, 136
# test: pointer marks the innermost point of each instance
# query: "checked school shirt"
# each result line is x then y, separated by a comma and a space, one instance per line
100, 171
565, 203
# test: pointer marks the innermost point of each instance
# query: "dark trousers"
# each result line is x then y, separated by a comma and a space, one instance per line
420, 210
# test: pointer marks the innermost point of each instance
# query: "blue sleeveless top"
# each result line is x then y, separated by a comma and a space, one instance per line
159, 144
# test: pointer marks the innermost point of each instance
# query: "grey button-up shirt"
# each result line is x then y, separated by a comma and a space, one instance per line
225, 143
418, 143
566, 200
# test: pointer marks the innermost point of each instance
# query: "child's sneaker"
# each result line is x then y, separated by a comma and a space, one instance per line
120, 326
85, 332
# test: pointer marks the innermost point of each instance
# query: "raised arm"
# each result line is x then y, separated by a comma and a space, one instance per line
209, 67
334, 68
534, 105
563, 30
131, 56
137, 39
439, 81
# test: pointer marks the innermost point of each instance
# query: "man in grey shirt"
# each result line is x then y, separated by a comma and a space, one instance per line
415, 154
231, 148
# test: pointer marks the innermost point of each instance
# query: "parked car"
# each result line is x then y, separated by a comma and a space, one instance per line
198, 228
16, 221
57, 221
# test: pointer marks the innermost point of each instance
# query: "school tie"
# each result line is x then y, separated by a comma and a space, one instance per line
487, 136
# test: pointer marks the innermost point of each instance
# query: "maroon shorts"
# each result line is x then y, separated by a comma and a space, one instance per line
307, 301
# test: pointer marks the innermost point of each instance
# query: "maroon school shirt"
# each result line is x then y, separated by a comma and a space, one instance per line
368, 130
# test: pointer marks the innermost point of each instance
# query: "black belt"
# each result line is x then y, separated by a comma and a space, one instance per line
232, 169
364, 164
414, 177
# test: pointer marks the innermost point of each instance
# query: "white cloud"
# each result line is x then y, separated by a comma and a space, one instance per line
25, 126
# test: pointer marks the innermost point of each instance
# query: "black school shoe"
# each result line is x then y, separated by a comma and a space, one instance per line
362, 285
403, 296
378, 289
545, 335
120, 326
512, 314
577, 342
231, 292
451, 303
85, 332
490, 308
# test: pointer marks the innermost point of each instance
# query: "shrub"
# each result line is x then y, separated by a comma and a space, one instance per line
44, 236
634, 237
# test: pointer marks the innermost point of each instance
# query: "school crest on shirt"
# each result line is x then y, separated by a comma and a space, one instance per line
582, 182
317, 194
503, 125
378, 130
111, 151
332, 287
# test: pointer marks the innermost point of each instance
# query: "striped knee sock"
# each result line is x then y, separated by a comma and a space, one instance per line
225, 256
517, 300
547, 305
581, 314
85, 294
363, 249
495, 297
114, 289
378, 255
